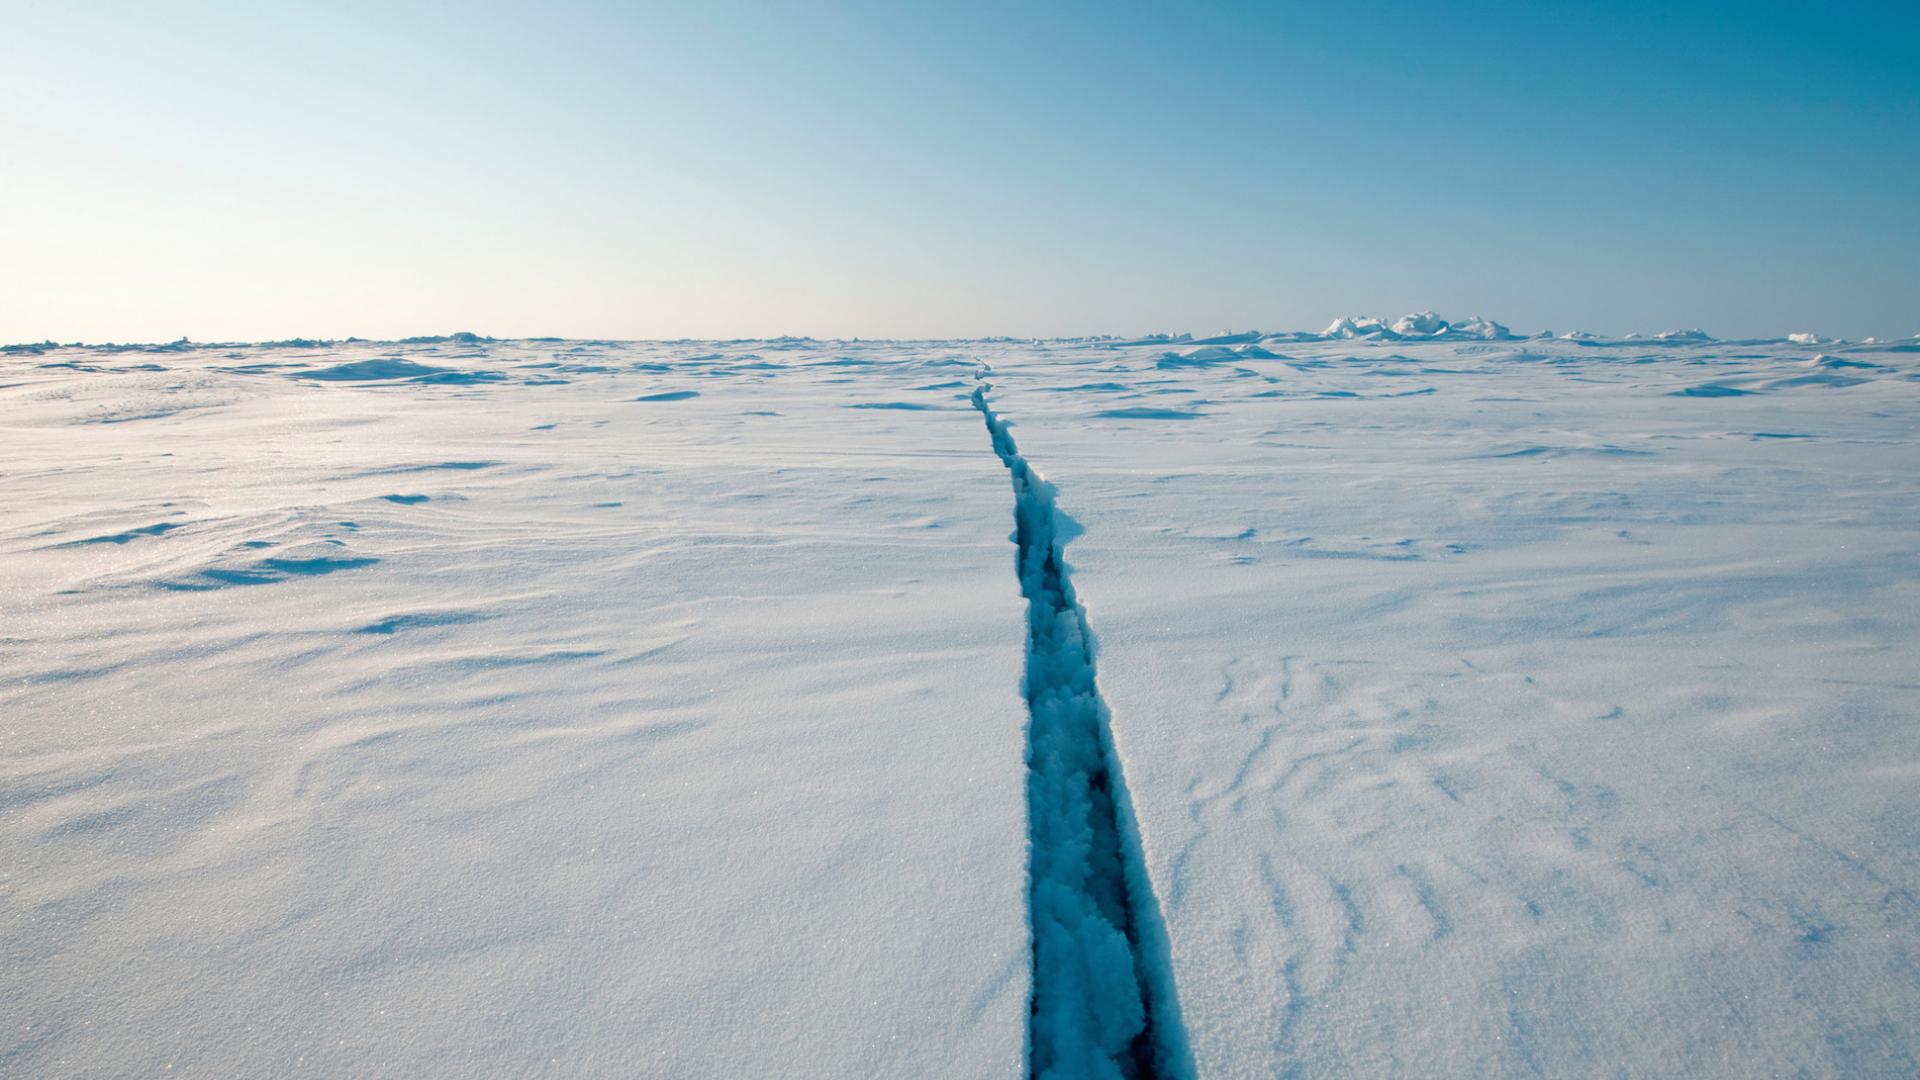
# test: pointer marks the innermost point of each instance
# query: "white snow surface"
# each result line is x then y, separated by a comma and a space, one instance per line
361, 724
1486, 707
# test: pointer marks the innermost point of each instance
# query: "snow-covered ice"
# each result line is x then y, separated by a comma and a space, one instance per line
1512, 709
1475, 705
456, 710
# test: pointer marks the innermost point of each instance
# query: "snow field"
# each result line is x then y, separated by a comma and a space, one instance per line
1465, 705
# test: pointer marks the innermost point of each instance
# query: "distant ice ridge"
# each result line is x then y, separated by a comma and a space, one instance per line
1429, 326
1243, 345
1223, 346
1228, 345
1419, 325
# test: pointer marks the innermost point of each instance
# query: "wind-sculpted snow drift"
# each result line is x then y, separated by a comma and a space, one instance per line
1102, 992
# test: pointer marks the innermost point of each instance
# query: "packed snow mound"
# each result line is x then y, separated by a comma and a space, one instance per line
1808, 338
397, 369
380, 369
1207, 355
1695, 334
1364, 326
1420, 325
1822, 360
1481, 328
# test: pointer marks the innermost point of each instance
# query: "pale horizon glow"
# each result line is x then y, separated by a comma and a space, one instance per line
230, 172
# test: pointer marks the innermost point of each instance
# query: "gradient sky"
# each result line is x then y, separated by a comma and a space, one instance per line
240, 171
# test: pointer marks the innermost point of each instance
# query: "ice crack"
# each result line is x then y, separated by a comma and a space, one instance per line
1103, 1002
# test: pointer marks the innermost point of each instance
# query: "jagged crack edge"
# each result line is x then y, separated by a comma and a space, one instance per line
1092, 905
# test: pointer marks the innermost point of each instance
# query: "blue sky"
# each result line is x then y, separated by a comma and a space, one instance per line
245, 171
